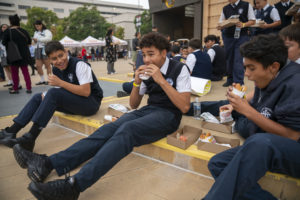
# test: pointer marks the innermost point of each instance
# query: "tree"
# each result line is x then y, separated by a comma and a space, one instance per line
146, 22
48, 18
85, 21
119, 32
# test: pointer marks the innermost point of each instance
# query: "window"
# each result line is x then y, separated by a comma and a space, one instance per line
44, 8
6, 4
24, 17
23, 7
71, 10
58, 10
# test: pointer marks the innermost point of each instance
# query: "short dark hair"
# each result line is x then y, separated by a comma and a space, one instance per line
39, 22
109, 32
265, 49
291, 32
195, 43
14, 20
155, 39
53, 46
212, 38
175, 49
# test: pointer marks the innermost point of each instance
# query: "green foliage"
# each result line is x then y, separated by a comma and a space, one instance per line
119, 32
85, 21
48, 18
146, 20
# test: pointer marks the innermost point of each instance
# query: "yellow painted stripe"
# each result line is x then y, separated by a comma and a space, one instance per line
111, 80
130, 74
8, 116
109, 97
191, 151
114, 99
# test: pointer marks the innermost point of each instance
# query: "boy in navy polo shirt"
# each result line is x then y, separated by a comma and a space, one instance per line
76, 91
168, 88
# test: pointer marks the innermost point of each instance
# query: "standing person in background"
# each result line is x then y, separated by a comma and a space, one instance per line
3, 55
97, 54
22, 40
135, 46
83, 54
41, 36
217, 57
93, 54
269, 15
110, 52
232, 41
282, 6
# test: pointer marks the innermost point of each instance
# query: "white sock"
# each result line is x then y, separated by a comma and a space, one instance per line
10, 82
42, 78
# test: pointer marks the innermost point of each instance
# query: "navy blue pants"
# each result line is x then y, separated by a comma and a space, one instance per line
112, 142
57, 99
127, 86
2, 74
236, 171
234, 59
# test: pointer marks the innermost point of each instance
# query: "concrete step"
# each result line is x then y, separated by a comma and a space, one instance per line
282, 186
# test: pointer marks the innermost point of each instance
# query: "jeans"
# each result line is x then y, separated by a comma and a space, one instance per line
234, 60
56, 99
112, 142
237, 170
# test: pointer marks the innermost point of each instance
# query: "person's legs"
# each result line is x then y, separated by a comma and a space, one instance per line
113, 67
2, 75
109, 67
7, 70
46, 62
259, 154
229, 49
15, 77
238, 66
127, 86
26, 77
39, 65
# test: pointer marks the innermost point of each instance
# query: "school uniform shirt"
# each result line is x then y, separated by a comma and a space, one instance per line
191, 60
269, 15
274, 15
285, 19
298, 61
42, 37
183, 79
177, 57
280, 100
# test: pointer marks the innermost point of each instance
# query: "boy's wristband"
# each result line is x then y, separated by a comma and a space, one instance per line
136, 85
243, 25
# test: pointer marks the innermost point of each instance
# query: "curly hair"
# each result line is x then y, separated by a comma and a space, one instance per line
265, 49
155, 39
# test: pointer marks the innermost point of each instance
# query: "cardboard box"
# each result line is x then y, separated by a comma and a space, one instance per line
114, 113
191, 133
294, 9
215, 148
228, 23
224, 127
258, 23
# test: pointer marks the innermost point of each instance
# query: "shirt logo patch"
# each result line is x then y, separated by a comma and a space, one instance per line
70, 76
170, 81
241, 10
267, 112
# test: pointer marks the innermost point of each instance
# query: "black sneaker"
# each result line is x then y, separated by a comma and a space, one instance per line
4, 134
26, 141
226, 84
8, 85
122, 94
19, 88
60, 189
42, 83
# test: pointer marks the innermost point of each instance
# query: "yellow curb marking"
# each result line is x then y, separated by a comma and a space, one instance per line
111, 80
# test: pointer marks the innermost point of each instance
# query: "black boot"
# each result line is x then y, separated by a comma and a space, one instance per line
39, 166
26, 141
5, 134
61, 189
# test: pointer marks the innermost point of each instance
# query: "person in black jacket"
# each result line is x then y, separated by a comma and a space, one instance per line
282, 6
169, 96
274, 124
76, 91
22, 40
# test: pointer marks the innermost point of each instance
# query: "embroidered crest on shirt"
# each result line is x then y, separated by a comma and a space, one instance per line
241, 10
170, 81
70, 76
267, 112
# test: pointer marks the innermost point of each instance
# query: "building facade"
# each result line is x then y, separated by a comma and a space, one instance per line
63, 8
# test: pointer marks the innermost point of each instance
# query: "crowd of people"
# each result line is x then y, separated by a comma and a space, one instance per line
268, 117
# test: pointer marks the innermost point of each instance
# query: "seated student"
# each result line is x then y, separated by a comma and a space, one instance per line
269, 15
184, 53
198, 61
274, 124
217, 57
291, 36
175, 50
77, 91
169, 96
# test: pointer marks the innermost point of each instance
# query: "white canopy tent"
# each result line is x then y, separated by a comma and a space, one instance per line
69, 42
91, 41
119, 41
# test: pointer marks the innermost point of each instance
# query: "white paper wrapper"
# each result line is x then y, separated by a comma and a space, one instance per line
209, 117
118, 107
239, 93
144, 77
225, 116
